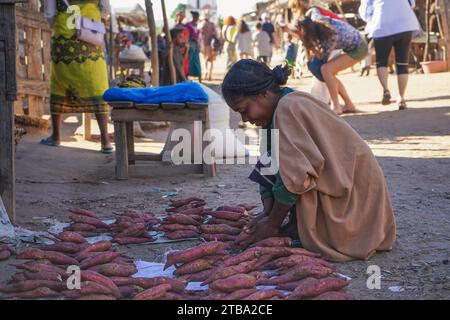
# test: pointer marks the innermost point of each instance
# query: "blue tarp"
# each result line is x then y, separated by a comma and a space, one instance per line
179, 93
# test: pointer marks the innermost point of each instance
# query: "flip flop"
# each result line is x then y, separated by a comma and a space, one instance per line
386, 98
50, 142
402, 105
107, 150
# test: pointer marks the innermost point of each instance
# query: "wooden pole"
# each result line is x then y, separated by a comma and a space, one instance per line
173, 76
427, 31
154, 42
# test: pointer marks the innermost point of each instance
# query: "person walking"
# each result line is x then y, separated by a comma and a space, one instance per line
262, 44
391, 24
195, 68
229, 33
244, 41
207, 37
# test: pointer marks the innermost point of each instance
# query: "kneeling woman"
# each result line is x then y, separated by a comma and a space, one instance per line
328, 177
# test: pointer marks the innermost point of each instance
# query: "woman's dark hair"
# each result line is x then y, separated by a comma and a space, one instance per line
249, 77
243, 27
314, 33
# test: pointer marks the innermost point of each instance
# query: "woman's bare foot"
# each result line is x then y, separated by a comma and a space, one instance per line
337, 109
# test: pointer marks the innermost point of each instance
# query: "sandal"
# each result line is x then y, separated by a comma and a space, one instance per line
386, 98
402, 105
50, 142
107, 150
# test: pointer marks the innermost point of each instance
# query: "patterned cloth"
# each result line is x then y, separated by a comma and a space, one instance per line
78, 69
346, 38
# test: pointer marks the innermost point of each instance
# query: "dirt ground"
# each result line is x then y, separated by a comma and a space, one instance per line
413, 148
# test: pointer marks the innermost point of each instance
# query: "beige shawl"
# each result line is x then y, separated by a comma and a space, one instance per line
344, 209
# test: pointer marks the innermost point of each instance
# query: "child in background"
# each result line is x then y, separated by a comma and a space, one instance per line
291, 50
178, 59
263, 44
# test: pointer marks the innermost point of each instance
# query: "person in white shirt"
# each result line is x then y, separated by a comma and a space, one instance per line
263, 44
391, 24
244, 41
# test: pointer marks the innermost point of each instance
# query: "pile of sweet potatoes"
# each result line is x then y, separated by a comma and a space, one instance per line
132, 227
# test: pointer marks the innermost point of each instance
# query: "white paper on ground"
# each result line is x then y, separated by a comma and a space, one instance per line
6, 228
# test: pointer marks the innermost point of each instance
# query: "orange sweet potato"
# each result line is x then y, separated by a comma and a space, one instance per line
117, 270
146, 283
44, 275
64, 247
91, 287
77, 227
78, 218
290, 261
153, 293
100, 258
178, 227
40, 267
41, 292
182, 234
193, 211
266, 295
205, 249
194, 267
84, 212
69, 236
274, 242
136, 230
234, 283
199, 276
99, 246
219, 229
29, 285
236, 224
88, 275
224, 272
182, 202
237, 209
228, 215
179, 218
312, 287
218, 237
298, 273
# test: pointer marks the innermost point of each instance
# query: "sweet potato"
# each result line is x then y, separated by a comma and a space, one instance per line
193, 211
71, 294
77, 218
177, 227
219, 228
91, 287
218, 237
171, 296
228, 215
100, 258
233, 283
146, 283
274, 242
135, 230
18, 277
123, 281
117, 270
194, 267
54, 257
64, 247
205, 249
29, 285
266, 295
298, 273
99, 246
182, 202
301, 251
97, 297
182, 234
240, 294
133, 240
153, 293
4, 255
289, 286
8, 248
243, 236
312, 287
225, 272
236, 224
194, 204
41, 292
249, 254
290, 261
179, 218
332, 295
237, 209
40, 267
88, 275
84, 212
69, 236
76, 227
199, 276
44, 275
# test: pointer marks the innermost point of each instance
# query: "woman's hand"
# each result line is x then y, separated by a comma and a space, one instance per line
260, 229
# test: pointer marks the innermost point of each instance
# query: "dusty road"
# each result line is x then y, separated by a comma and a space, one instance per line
413, 148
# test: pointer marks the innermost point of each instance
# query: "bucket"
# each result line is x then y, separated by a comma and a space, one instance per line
434, 66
